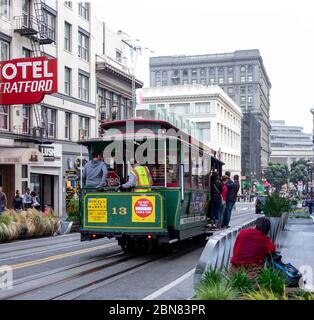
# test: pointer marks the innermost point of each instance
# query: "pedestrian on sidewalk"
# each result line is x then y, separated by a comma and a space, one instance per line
215, 197
35, 201
3, 201
18, 202
27, 199
232, 193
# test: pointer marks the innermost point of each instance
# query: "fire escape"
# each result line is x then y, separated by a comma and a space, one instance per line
35, 28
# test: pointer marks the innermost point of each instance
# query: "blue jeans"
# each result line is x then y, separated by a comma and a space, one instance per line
1, 210
227, 216
215, 212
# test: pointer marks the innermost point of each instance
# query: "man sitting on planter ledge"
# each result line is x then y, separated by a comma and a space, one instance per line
251, 248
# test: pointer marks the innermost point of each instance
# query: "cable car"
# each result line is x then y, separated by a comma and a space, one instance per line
174, 208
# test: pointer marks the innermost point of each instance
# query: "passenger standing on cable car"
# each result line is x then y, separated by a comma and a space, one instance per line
215, 198
95, 171
139, 179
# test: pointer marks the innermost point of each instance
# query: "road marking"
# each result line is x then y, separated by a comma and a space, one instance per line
169, 286
60, 256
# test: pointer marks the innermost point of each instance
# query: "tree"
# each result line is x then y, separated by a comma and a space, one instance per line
277, 174
299, 171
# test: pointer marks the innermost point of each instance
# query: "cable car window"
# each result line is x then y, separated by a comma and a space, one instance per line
187, 176
194, 160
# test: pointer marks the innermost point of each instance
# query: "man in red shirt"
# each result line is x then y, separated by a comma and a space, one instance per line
253, 245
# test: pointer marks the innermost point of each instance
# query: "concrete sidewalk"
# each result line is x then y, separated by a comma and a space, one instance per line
296, 245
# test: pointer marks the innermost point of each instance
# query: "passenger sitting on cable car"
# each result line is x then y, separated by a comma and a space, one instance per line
95, 171
139, 177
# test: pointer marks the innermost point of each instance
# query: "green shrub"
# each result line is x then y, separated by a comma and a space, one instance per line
275, 205
271, 280
303, 295
261, 294
212, 276
240, 281
73, 210
221, 290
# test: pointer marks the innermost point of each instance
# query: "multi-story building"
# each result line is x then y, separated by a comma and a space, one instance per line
93, 72
213, 117
241, 74
289, 143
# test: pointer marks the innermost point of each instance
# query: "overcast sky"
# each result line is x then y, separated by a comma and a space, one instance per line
283, 31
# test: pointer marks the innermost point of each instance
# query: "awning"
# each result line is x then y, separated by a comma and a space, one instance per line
20, 156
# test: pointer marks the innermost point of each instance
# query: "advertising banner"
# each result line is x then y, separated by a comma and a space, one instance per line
27, 80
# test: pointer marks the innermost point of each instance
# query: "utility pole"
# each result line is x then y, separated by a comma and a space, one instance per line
312, 165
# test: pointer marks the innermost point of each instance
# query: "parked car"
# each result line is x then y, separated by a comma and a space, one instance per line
260, 200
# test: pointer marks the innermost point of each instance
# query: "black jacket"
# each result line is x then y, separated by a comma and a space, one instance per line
17, 203
216, 188
233, 189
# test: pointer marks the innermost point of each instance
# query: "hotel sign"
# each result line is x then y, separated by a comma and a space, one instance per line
27, 80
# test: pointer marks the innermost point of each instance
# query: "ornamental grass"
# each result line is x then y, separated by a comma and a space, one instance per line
29, 223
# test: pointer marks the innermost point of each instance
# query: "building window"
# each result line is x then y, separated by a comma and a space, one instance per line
67, 37
203, 72
67, 80
26, 119
68, 4
5, 9
212, 80
242, 90
194, 73
212, 71
185, 73
179, 108
202, 107
49, 25
243, 99
49, 117
230, 79
67, 133
250, 89
83, 127
250, 69
230, 90
118, 56
26, 53
84, 10
203, 131
242, 68
4, 50
249, 78
242, 79
4, 117
250, 99
83, 46
164, 78
83, 86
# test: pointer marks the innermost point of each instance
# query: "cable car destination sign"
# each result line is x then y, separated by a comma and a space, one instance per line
27, 80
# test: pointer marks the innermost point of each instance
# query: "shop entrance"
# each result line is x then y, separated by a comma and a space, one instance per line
43, 185
7, 181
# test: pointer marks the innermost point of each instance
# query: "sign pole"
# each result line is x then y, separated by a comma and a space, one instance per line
81, 168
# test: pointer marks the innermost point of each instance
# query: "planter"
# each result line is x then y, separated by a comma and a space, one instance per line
284, 219
275, 227
75, 226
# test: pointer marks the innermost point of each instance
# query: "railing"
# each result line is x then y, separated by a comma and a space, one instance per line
26, 23
218, 250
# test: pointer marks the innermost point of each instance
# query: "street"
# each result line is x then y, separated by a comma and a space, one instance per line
64, 268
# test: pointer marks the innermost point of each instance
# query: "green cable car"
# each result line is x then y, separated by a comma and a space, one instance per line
177, 204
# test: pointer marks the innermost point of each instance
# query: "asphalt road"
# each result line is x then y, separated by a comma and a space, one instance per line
64, 268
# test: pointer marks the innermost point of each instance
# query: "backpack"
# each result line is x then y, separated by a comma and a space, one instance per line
291, 274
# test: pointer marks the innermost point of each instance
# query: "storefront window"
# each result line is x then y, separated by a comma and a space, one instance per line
4, 117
